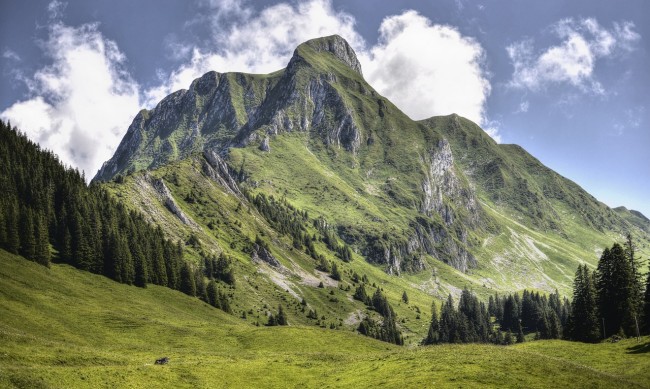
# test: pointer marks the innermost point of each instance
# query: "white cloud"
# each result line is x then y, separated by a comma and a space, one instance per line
523, 106
573, 60
425, 69
428, 69
83, 102
492, 128
11, 55
55, 9
257, 43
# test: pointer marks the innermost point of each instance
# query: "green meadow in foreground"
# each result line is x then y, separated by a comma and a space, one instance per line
61, 328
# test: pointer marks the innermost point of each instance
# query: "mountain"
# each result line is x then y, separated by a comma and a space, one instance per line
285, 172
634, 217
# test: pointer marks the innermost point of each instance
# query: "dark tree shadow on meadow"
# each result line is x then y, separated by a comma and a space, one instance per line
639, 348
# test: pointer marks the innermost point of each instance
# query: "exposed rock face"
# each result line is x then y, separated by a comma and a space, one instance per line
312, 95
222, 110
426, 238
262, 254
339, 47
264, 146
166, 197
215, 168
441, 182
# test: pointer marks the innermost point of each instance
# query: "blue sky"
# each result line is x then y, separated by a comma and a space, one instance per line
567, 80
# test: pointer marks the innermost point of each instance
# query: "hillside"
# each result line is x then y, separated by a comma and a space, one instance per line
62, 327
437, 202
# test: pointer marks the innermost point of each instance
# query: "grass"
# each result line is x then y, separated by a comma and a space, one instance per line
61, 327
530, 232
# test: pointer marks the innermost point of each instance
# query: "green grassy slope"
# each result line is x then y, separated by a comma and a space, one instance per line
437, 202
408, 196
261, 288
518, 256
63, 328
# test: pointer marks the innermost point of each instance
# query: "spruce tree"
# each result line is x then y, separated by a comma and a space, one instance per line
3, 225
281, 319
449, 323
520, 333
508, 339
636, 282
27, 239
433, 336
42, 254
361, 295
140, 267
188, 284
510, 314
584, 326
12, 223
213, 294
614, 287
646, 305
335, 274
530, 312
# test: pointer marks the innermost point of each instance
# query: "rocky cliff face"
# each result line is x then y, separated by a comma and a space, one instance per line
399, 192
321, 93
222, 110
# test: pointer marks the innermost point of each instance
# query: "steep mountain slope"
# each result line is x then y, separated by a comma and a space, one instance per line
416, 198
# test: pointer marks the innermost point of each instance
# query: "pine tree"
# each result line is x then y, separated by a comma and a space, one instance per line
646, 305
508, 339
12, 223
42, 254
335, 274
188, 285
361, 295
520, 333
213, 294
281, 319
636, 282
583, 318
140, 267
614, 291
433, 336
27, 240
510, 314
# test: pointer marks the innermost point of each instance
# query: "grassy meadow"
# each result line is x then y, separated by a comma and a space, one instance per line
63, 328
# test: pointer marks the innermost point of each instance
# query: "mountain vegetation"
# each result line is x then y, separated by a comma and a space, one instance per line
304, 205
61, 327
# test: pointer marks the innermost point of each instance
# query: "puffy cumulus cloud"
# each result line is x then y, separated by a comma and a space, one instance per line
573, 60
243, 40
491, 127
428, 69
425, 69
83, 102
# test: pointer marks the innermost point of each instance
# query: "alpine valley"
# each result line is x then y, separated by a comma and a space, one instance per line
304, 197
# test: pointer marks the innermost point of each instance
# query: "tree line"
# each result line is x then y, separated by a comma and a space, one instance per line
612, 300
49, 214
385, 330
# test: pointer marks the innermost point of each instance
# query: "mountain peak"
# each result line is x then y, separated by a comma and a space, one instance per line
333, 44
